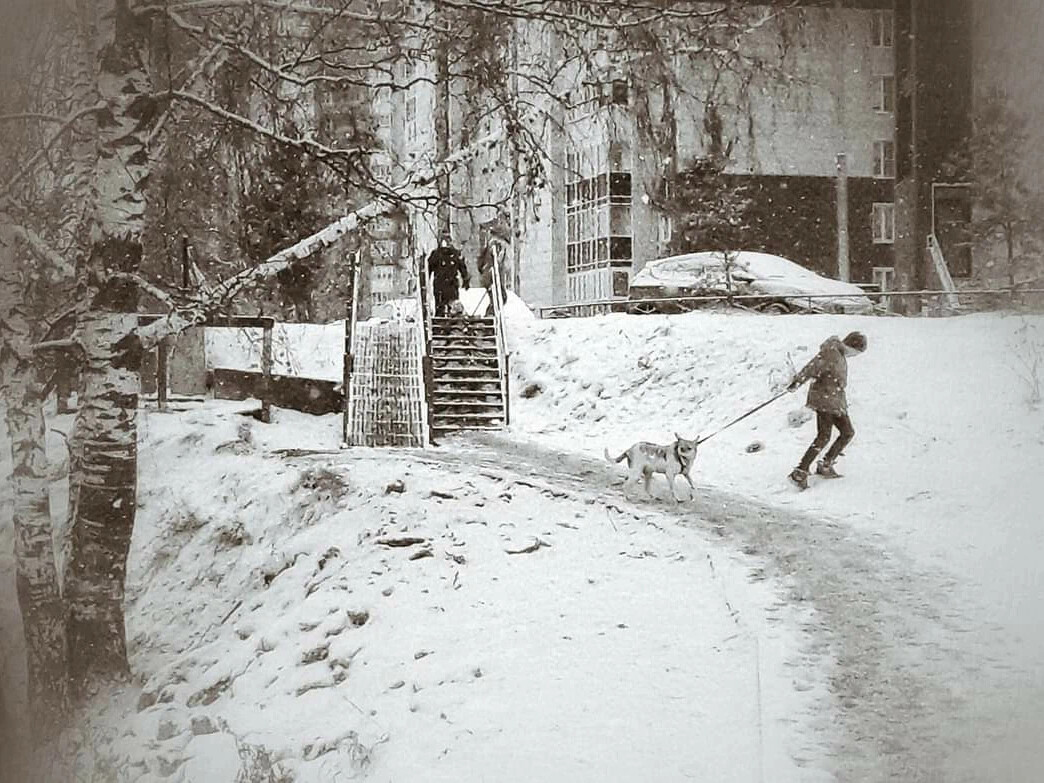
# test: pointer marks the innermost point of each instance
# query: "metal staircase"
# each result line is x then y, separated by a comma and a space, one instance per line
466, 391
466, 374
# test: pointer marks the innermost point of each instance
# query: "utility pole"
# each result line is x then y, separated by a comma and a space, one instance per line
843, 268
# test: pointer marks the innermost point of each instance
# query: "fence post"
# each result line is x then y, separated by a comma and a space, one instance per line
266, 374
162, 352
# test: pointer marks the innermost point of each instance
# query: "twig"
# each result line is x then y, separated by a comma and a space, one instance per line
67, 123
231, 611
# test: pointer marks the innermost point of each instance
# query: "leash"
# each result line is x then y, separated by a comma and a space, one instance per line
745, 415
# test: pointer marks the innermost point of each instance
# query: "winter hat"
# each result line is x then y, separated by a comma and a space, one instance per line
856, 341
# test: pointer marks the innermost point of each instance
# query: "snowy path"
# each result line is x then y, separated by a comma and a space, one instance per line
892, 628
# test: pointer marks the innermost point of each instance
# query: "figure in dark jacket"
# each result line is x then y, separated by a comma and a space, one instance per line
446, 264
828, 372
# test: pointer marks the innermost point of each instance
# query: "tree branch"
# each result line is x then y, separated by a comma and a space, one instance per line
311, 146
30, 115
205, 61
67, 123
40, 248
221, 294
144, 285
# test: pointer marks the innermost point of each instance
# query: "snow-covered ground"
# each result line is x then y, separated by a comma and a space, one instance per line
263, 605
271, 622
945, 466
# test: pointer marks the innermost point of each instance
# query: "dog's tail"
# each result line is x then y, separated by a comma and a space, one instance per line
609, 459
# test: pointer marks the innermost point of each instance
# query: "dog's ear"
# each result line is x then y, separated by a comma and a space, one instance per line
678, 437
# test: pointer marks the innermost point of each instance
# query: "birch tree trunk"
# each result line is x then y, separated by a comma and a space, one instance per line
79, 184
39, 598
105, 499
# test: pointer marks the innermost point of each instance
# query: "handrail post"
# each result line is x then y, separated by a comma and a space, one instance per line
498, 329
427, 305
349, 356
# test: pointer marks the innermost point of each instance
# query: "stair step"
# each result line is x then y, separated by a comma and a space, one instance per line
478, 404
466, 422
471, 376
458, 354
478, 427
488, 415
459, 345
477, 377
463, 328
440, 391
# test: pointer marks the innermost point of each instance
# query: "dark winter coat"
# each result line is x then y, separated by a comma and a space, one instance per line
828, 372
446, 263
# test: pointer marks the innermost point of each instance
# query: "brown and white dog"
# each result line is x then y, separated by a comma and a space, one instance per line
644, 459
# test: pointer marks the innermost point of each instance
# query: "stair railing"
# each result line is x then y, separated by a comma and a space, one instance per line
503, 357
422, 335
349, 354
943, 272
426, 297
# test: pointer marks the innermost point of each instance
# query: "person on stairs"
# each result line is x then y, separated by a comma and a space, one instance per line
828, 372
486, 274
446, 264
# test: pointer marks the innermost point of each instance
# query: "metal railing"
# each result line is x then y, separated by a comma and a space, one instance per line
498, 327
943, 272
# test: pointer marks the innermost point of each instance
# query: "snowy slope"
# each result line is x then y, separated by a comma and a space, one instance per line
269, 625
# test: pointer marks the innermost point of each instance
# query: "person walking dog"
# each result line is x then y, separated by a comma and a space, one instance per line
828, 372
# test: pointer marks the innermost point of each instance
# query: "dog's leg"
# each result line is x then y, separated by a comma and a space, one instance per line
692, 487
648, 481
672, 479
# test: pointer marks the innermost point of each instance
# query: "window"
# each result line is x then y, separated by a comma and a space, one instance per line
881, 28
884, 277
598, 206
380, 168
410, 116
882, 218
884, 159
884, 94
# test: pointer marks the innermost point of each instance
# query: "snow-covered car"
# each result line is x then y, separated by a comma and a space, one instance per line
779, 284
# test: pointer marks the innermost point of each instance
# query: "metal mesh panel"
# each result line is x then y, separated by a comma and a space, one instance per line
387, 405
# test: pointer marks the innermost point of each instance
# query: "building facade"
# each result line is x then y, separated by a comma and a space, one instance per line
877, 90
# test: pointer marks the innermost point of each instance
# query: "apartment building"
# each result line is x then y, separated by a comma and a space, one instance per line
877, 90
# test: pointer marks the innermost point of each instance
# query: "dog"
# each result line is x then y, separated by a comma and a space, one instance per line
644, 459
